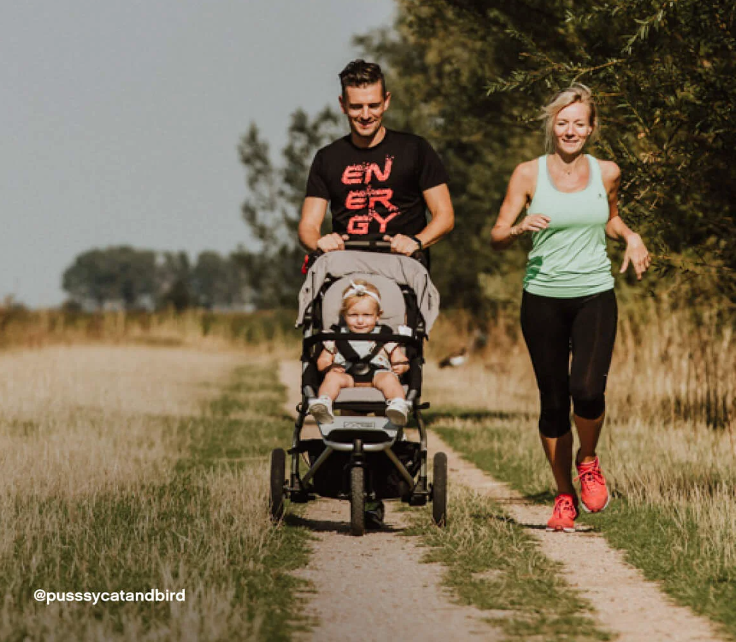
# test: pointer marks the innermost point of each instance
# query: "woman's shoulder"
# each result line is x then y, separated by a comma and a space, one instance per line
610, 172
525, 174
528, 169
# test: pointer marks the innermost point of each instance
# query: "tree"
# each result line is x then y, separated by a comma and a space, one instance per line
173, 276
130, 278
273, 206
121, 276
472, 73
437, 61
218, 282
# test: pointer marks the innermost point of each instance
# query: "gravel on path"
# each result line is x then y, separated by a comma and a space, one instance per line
626, 604
376, 588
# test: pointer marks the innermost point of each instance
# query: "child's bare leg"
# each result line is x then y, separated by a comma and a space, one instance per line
397, 408
389, 384
335, 381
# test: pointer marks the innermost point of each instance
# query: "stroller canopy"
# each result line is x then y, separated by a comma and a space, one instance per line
385, 271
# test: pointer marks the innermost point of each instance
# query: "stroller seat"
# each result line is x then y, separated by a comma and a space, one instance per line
394, 316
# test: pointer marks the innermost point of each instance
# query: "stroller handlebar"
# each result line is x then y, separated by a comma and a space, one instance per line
370, 245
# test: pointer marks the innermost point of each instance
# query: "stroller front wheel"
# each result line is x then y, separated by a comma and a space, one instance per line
357, 500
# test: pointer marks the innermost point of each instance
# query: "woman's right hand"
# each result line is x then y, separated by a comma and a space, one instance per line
530, 223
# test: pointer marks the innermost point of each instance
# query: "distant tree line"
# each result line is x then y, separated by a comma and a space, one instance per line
128, 278
471, 75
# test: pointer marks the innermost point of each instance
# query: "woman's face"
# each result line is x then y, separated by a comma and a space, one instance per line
362, 316
572, 128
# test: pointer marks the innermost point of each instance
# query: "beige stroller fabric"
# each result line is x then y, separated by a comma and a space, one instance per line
395, 268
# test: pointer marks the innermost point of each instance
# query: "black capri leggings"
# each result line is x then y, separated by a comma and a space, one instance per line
552, 328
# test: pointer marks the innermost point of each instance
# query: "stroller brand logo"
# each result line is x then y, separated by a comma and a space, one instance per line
359, 425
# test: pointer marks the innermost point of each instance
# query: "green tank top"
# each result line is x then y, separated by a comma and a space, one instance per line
569, 258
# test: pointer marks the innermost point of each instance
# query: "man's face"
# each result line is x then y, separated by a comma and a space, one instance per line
364, 107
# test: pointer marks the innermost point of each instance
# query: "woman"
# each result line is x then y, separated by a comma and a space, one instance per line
568, 304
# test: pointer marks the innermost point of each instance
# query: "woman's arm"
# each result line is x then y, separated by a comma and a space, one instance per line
636, 252
518, 195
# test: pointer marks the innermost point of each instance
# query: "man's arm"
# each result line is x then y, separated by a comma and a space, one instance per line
443, 220
443, 215
310, 226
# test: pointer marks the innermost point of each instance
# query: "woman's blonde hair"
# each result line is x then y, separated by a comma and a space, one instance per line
361, 289
575, 93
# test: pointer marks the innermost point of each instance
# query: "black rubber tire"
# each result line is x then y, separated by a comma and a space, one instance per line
357, 501
439, 490
278, 479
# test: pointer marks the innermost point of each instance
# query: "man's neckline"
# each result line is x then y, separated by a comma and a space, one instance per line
386, 133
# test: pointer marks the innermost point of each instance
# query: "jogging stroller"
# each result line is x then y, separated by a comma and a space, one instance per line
362, 455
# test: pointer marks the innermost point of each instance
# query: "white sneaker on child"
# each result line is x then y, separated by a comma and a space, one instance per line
321, 409
397, 411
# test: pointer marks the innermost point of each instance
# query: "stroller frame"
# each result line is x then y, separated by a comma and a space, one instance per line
354, 442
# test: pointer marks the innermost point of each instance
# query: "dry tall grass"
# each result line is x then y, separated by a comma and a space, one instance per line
269, 330
669, 440
90, 437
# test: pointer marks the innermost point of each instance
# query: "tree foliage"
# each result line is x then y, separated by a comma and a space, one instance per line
272, 208
128, 278
122, 275
471, 76
473, 73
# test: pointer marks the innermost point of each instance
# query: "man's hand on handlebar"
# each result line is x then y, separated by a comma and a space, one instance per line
332, 242
401, 244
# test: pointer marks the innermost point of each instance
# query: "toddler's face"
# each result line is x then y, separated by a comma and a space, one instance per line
362, 316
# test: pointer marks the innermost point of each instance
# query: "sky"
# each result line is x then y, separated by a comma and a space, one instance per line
121, 119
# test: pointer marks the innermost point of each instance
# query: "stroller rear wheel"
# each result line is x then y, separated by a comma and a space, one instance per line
357, 500
439, 489
278, 478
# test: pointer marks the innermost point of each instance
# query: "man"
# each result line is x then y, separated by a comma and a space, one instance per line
377, 181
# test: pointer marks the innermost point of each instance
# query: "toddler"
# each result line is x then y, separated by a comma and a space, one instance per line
361, 312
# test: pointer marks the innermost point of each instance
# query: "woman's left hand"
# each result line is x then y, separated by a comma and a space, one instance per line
637, 255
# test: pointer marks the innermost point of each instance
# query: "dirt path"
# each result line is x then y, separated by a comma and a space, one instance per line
626, 603
375, 588
369, 571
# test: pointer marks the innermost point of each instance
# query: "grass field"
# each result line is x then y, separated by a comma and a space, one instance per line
668, 448
131, 469
495, 565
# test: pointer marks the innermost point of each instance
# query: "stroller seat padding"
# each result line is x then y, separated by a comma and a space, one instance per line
361, 395
370, 265
392, 300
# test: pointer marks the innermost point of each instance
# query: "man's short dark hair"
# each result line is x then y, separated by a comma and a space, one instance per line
359, 73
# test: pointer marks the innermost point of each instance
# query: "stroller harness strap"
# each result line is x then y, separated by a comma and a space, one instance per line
361, 368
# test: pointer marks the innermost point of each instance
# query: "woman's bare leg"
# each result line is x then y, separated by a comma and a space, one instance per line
559, 455
589, 430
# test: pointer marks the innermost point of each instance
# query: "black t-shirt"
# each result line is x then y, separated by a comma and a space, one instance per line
377, 190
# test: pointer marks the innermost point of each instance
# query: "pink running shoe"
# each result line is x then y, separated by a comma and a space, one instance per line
593, 491
564, 514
